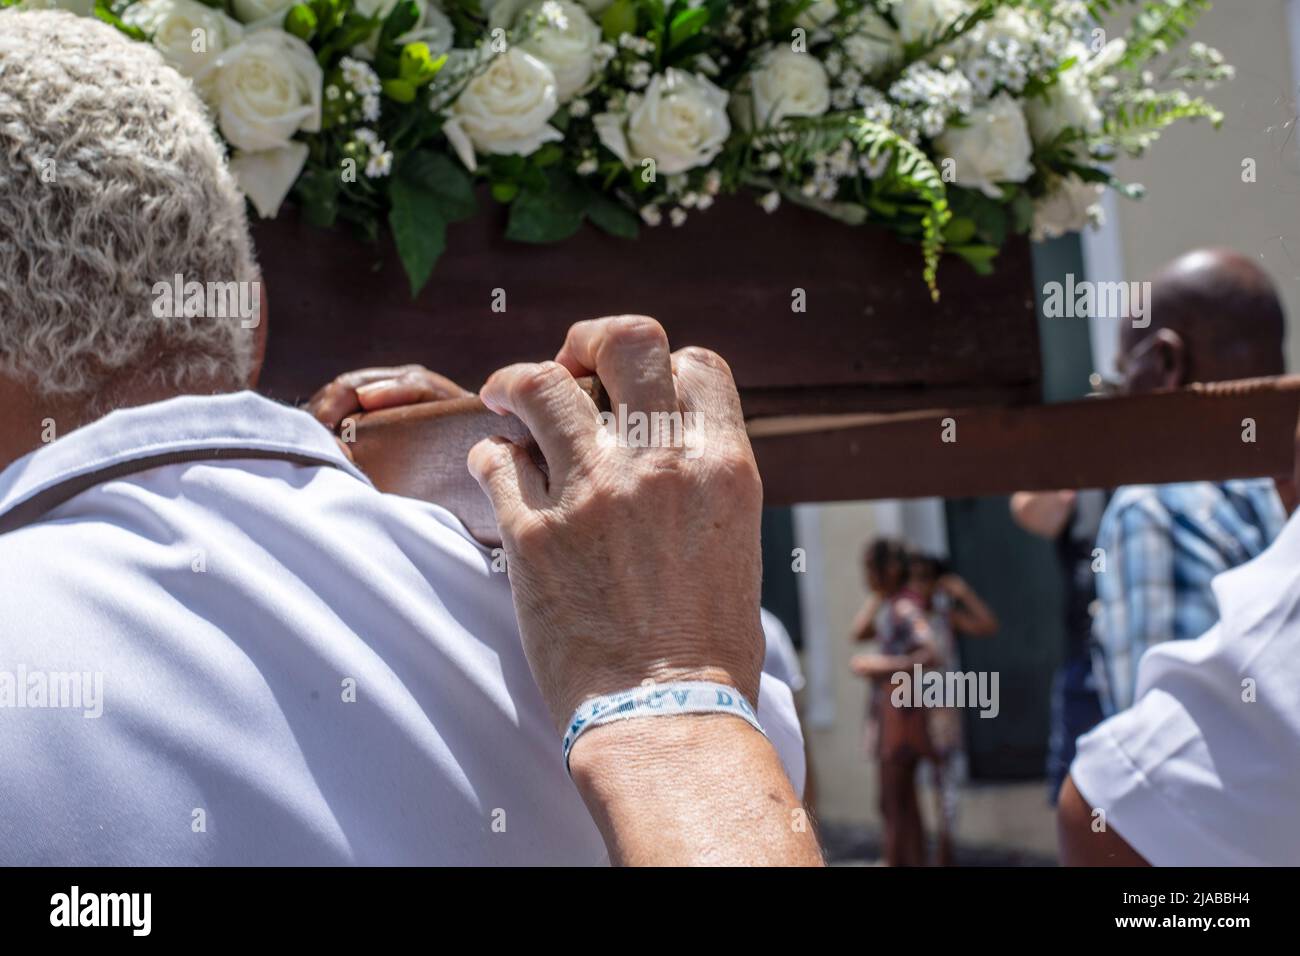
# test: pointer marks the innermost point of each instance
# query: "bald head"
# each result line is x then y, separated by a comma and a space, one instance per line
1215, 315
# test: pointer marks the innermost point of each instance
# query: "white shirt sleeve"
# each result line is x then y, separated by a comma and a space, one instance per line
1204, 769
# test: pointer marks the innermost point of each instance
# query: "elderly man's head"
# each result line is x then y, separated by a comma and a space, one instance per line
1214, 316
111, 182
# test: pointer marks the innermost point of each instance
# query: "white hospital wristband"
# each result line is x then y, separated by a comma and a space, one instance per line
658, 700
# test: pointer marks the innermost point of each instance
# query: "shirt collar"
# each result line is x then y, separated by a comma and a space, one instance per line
185, 423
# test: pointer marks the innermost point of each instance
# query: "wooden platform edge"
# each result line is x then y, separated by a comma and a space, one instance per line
1209, 432
1204, 432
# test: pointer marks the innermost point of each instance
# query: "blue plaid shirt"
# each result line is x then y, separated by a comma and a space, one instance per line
1163, 544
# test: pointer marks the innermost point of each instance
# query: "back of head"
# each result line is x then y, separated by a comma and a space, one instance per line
1226, 311
111, 182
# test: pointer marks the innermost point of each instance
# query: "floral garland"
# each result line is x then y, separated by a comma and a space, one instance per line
954, 123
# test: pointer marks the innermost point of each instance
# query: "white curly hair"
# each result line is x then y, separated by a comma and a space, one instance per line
111, 180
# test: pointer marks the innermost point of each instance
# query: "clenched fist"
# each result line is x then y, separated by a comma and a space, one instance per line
635, 556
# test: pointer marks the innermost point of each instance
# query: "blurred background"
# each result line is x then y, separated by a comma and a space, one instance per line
1196, 197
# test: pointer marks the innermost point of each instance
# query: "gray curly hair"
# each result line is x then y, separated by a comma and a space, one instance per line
111, 180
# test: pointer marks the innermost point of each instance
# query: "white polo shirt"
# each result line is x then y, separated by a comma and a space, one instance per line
1204, 769
258, 661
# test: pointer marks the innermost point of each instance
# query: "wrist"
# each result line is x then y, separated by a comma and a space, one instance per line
690, 789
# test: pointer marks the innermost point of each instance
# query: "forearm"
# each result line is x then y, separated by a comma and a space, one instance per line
691, 790
1042, 513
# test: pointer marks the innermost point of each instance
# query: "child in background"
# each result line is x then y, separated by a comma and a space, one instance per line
950, 604
896, 736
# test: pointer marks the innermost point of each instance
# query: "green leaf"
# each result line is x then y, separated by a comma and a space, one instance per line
318, 191
1022, 213
444, 179
612, 216
104, 11
428, 190
686, 24
419, 230
960, 230
504, 192
401, 19
398, 90
980, 257
300, 21
620, 18
549, 214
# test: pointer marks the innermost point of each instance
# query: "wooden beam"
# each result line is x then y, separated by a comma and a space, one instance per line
1197, 433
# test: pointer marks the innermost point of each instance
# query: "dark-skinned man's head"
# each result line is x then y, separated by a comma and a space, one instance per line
1215, 316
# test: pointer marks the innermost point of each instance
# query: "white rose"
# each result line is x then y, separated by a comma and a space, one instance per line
267, 175
920, 20
432, 26
249, 11
1071, 205
784, 83
874, 45
818, 15
505, 108
681, 123
993, 147
179, 26
1009, 24
264, 89
562, 36
1069, 103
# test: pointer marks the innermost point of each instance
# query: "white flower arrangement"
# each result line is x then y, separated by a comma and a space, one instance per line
954, 123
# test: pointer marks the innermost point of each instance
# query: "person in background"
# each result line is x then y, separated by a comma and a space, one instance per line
1070, 520
1213, 316
951, 605
1201, 770
896, 736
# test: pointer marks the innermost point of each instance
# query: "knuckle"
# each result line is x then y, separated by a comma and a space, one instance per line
635, 331
736, 474
537, 381
707, 358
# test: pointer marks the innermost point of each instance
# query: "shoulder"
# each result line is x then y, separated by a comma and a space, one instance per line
1137, 504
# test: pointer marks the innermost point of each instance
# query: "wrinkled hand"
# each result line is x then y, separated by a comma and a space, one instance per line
369, 389
627, 564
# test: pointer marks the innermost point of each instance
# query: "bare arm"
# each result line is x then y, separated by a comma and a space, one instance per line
691, 790
634, 564
1082, 845
864, 623
969, 613
1043, 513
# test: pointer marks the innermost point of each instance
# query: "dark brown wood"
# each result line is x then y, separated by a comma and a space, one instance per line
1195, 433
870, 338
1192, 434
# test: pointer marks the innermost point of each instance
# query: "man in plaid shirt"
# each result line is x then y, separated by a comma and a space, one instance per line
1214, 316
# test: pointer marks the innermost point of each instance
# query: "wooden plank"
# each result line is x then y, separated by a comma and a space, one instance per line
1195, 433
1192, 434
870, 338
